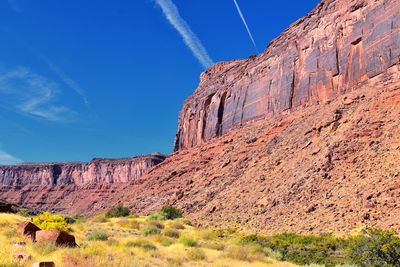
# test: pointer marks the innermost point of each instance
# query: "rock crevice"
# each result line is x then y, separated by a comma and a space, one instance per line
336, 48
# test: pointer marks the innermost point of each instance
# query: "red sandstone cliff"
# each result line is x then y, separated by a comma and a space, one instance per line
324, 158
97, 171
338, 47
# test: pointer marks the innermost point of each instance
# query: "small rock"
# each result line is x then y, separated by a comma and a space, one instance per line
347, 101
366, 216
44, 264
225, 163
213, 209
250, 140
22, 256
311, 208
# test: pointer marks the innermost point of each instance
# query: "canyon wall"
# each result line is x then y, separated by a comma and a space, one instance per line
97, 171
338, 47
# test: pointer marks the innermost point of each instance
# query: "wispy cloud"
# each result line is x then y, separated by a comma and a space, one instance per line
245, 24
7, 159
15, 5
32, 94
67, 80
171, 12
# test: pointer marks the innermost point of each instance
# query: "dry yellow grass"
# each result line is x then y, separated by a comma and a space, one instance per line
126, 246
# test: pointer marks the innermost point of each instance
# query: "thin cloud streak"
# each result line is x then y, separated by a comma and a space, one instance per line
8, 159
171, 12
32, 94
68, 81
245, 24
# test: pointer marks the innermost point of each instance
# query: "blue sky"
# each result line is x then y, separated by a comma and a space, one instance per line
83, 79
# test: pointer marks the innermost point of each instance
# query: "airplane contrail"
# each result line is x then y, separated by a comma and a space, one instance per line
171, 12
245, 24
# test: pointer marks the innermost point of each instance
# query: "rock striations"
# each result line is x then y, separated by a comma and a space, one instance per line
321, 152
97, 171
339, 47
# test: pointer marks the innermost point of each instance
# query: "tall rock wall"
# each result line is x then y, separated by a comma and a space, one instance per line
97, 171
338, 47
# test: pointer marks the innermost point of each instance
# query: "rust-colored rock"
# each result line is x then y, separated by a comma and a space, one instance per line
22, 256
44, 264
56, 237
97, 171
28, 229
324, 158
339, 47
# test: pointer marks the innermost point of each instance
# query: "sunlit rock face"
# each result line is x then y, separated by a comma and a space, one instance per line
97, 171
340, 46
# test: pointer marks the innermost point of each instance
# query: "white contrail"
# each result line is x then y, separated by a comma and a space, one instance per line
245, 24
171, 12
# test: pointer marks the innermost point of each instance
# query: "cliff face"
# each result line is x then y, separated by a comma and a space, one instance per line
339, 47
97, 171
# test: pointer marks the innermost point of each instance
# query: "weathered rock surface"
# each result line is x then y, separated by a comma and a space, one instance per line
28, 229
326, 156
8, 207
97, 171
339, 47
56, 238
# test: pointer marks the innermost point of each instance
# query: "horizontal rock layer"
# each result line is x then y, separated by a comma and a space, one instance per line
97, 171
338, 47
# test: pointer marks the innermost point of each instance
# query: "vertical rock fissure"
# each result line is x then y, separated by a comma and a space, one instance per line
56, 172
205, 116
221, 109
292, 87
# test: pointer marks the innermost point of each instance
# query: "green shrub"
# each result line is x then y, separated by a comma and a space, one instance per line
307, 249
254, 239
118, 211
171, 233
156, 224
245, 252
74, 219
165, 241
100, 219
171, 213
375, 247
215, 245
177, 225
47, 221
97, 235
196, 254
141, 243
276, 255
156, 216
187, 241
150, 230
24, 212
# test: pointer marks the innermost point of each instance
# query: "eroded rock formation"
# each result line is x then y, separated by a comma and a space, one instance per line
97, 171
324, 158
338, 47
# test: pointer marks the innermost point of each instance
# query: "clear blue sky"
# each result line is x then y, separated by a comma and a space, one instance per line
83, 79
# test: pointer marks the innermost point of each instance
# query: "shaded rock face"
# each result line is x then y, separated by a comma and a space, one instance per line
97, 171
28, 229
338, 47
56, 238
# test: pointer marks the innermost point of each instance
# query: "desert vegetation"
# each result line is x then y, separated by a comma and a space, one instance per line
166, 239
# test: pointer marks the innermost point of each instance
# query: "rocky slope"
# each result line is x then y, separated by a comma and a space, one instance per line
97, 171
322, 149
338, 47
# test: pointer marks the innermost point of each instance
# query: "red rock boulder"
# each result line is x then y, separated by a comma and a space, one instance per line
28, 229
56, 237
